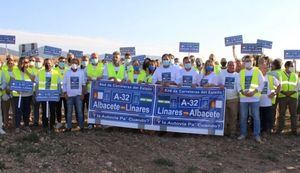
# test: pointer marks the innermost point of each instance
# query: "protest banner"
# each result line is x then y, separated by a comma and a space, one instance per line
54, 51
76, 53
130, 50
265, 44
251, 48
291, 54
233, 40
150, 107
189, 47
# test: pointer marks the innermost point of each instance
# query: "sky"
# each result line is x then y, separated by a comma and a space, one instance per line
154, 27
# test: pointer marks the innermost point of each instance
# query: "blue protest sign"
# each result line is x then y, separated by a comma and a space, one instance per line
54, 51
76, 53
233, 40
251, 48
265, 44
125, 50
186, 109
47, 95
21, 86
8, 39
140, 58
291, 54
126, 105
189, 47
108, 57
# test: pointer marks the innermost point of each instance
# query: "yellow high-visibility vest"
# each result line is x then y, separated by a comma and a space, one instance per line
55, 76
288, 83
141, 77
94, 72
254, 81
112, 73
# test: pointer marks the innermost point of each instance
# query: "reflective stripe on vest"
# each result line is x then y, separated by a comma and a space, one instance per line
272, 87
54, 80
111, 71
254, 81
288, 83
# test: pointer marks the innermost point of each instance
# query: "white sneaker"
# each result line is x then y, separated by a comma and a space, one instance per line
2, 132
58, 125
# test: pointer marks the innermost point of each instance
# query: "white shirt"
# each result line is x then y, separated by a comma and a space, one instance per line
73, 82
187, 78
229, 80
265, 101
165, 74
248, 74
212, 78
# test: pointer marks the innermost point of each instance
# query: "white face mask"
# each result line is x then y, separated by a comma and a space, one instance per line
74, 66
31, 63
291, 69
127, 61
248, 65
38, 65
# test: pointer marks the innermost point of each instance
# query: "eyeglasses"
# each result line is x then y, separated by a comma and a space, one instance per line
26, 62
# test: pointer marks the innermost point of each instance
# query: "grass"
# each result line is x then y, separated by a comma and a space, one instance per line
164, 162
269, 156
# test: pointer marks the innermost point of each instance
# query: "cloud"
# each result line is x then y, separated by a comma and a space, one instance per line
86, 44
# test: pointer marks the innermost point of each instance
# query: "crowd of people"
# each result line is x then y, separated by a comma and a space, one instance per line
255, 86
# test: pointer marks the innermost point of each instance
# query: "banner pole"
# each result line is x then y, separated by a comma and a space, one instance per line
19, 102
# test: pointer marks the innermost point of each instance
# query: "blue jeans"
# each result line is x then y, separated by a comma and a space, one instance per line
77, 102
244, 111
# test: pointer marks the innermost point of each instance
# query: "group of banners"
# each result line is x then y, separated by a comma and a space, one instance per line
152, 107
31, 49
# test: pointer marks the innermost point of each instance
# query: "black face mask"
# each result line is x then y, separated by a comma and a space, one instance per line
223, 64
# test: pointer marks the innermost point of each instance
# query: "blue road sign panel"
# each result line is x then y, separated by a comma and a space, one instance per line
291, 54
126, 103
251, 48
125, 50
189, 47
7, 39
108, 57
76, 53
265, 44
47, 95
233, 40
54, 51
21, 86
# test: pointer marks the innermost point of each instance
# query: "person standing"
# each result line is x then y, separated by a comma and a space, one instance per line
287, 97
251, 83
48, 79
74, 88
229, 80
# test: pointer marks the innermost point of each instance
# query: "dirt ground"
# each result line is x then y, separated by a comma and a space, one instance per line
128, 150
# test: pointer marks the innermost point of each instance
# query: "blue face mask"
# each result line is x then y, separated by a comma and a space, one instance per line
209, 68
151, 68
136, 68
61, 64
188, 66
166, 63
84, 63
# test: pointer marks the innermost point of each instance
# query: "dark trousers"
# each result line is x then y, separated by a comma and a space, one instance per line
51, 114
36, 112
85, 103
266, 118
23, 111
62, 101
